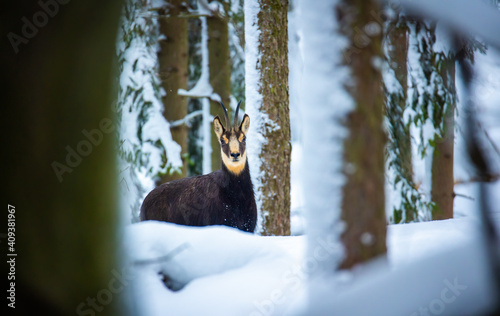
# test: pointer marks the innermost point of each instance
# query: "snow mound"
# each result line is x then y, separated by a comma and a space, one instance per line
409, 242
219, 270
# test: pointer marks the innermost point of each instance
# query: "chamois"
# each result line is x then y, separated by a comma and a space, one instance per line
223, 197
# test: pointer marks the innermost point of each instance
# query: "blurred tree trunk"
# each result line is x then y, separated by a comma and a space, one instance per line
173, 60
363, 194
433, 80
220, 69
61, 181
276, 152
442, 190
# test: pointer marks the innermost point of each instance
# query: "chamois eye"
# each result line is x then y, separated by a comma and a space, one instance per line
244, 139
222, 141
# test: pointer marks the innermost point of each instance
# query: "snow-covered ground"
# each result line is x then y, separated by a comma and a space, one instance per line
222, 271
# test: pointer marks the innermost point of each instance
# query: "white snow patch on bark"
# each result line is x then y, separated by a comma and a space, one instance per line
258, 120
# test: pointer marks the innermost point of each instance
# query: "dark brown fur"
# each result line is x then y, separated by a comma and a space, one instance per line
218, 198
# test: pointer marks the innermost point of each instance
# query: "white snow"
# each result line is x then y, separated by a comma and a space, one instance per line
444, 42
297, 220
324, 104
455, 280
391, 83
258, 120
223, 271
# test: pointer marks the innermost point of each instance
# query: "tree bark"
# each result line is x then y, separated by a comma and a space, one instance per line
363, 194
220, 72
173, 60
397, 40
61, 182
276, 152
397, 54
442, 190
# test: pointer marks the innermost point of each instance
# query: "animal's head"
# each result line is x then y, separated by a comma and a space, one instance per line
233, 140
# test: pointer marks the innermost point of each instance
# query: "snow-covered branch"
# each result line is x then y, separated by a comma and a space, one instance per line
186, 119
205, 9
199, 94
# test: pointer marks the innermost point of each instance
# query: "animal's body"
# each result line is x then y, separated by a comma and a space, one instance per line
223, 197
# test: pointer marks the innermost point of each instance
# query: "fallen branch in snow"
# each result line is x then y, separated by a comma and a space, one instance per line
164, 258
186, 119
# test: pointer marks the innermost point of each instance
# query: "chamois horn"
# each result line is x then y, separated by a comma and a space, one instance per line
225, 114
235, 124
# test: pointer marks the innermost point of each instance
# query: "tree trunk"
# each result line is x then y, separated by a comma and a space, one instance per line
442, 160
275, 153
363, 193
220, 72
173, 60
61, 175
396, 42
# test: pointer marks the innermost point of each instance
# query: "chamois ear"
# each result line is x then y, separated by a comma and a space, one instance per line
245, 124
218, 127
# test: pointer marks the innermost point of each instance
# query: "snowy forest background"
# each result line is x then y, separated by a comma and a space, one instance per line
421, 103
300, 70
374, 150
